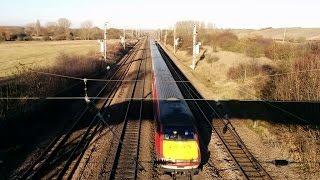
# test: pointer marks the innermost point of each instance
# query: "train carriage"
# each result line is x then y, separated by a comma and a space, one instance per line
176, 137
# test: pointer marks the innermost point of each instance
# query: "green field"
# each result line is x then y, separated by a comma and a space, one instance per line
39, 53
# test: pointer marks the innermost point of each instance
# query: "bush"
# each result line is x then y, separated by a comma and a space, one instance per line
2, 37
59, 37
243, 71
279, 51
211, 58
301, 40
27, 38
229, 42
46, 38
314, 48
301, 86
253, 50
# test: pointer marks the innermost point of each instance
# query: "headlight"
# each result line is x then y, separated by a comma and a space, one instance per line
194, 160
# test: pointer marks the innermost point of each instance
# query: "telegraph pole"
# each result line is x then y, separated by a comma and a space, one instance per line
165, 37
174, 39
124, 38
105, 41
194, 55
284, 35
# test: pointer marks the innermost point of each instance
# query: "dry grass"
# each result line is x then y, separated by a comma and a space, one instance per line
42, 54
30, 84
304, 86
214, 75
302, 147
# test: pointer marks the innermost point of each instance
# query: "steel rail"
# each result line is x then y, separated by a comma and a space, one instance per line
70, 159
59, 141
124, 134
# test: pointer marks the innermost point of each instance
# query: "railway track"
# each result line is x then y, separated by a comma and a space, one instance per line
207, 111
62, 155
125, 164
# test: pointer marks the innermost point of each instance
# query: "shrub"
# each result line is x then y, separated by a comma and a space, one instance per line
246, 70
253, 50
46, 38
243, 71
211, 58
27, 38
314, 47
229, 42
301, 39
301, 86
59, 37
279, 51
2, 37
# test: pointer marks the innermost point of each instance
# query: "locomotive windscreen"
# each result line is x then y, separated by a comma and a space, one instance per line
178, 133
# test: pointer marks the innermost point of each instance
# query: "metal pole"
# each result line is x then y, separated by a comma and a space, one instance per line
105, 41
193, 65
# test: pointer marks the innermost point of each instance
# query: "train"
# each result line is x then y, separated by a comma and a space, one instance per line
176, 136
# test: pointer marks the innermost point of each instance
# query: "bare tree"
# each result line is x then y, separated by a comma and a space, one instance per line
86, 29
51, 28
64, 24
30, 28
63, 29
37, 28
210, 25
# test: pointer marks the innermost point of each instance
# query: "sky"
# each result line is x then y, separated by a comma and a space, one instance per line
152, 14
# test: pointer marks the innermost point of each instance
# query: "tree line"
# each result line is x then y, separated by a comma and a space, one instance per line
58, 30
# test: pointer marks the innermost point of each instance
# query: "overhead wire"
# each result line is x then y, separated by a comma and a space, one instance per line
114, 80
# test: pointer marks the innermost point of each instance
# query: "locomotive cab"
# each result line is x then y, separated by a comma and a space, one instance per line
177, 143
180, 148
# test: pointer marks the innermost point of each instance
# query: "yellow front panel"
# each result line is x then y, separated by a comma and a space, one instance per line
180, 150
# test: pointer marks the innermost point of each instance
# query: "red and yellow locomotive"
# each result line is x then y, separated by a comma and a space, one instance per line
176, 137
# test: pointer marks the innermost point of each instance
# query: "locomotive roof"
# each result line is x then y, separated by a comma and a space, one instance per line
166, 86
175, 113
173, 109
